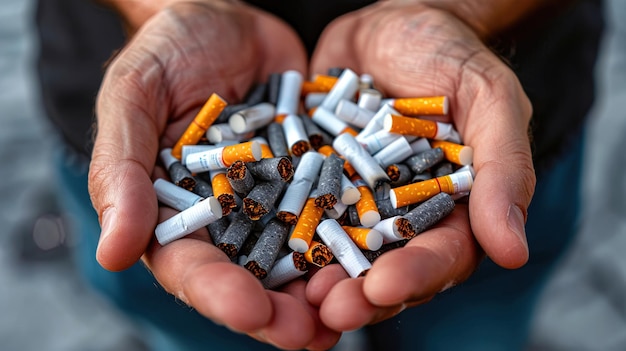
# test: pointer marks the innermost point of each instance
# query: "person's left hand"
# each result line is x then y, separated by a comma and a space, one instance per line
414, 50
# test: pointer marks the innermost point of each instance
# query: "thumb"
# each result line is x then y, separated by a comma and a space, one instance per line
119, 175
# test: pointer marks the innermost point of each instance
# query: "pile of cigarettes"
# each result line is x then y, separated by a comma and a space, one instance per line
282, 191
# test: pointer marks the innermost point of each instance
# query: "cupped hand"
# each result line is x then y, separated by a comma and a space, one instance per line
151, 91
412, 50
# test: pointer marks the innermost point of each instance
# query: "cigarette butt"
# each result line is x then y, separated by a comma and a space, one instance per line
366, 206
455, 153
304, 230
365, 238
188, 221
223, 192
175, 196
326, 150
247, 152
422, 191
265, 251
345, 250
320, 84
410, 126
318, 254
201, 122
422, 106
429, 212
262, 198
286, 269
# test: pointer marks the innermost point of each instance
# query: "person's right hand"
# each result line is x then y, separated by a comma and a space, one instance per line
151, 92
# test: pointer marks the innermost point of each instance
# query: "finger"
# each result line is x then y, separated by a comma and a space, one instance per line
431, 262
496, 127
119, 175
201, 275
322, 282
334, 48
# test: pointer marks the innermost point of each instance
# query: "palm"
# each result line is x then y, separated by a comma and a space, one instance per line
412, 50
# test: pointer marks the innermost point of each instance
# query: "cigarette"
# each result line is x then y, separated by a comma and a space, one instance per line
330, 122
313, 100
345, 88
298, 190
369, 99
289, 93
326, 150
417, 127
265, 251
261, 199
351, 113
277, 141
424, 160
318, 254
228, 111
329, 183
321, 83
201, 122
235, 235
389, 230
399, 174
397, 151
217, 133
222, 157
420, 106
203, 188
455, 153
349, 193
430, 212
180, 175
337, 211
188, 221
386, 209
252, 118
304, 230
442, 169
297, 139
366, 206
365, 238
191, 149
240, 178
266, 151
270, 169
343, 248
223, 191
316, 136
218, 228
361, 160
379, 140
285, 270
174, 196
420, 177
366, 81
273, 88
422, 191
376, 123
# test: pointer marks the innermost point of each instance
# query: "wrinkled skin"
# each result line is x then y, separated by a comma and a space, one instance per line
154, 87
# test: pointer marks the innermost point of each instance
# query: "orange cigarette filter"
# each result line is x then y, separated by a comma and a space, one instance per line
326, 150
366, 207
455, 153
420, 106
411, 126
198, 127
266, 151
280, 118
320, 84
223, 192
304, 230
350, 131
359, 235
417, 192
249, 151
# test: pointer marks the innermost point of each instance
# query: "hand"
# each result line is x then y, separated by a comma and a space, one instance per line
150, 93
413, 50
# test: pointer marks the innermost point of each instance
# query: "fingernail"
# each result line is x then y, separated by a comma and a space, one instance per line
515, 219
108, 222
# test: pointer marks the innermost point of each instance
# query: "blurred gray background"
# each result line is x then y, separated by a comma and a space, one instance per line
45, 306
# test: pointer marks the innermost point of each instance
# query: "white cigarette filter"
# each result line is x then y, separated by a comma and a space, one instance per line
175, 196
369, 99
376, 123
389, 230
327, 120
351, 113
296, 135
188, 221
379, 140
313, 100
285, 269
344, 249
345, 88
167, 158
303, 178
190, 149
365, 165
349, 193
289, 93
252, 118
396, 152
